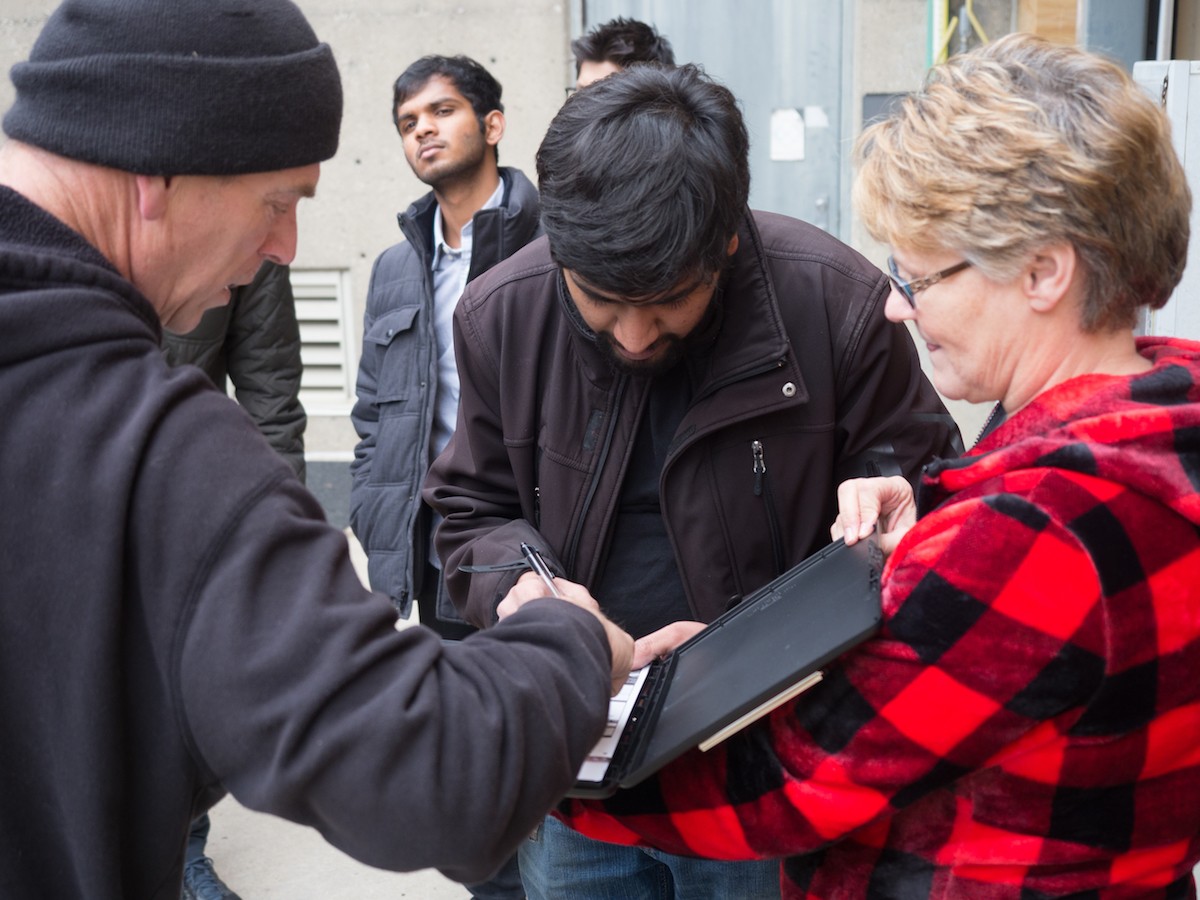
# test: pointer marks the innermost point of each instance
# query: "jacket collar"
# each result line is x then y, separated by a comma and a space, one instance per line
747, 338
516, 205
753, 336
1140, 431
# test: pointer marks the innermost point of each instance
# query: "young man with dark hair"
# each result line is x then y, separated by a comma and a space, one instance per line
450, 119
448, 113
663, 394
616, 44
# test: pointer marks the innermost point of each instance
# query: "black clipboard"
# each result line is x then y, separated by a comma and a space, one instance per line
769, 648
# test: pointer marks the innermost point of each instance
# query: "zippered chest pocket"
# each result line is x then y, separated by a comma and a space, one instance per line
401, 356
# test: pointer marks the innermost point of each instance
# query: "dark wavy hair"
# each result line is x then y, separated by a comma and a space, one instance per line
644, 179
622, 42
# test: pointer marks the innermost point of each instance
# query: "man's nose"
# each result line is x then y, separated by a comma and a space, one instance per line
636, 329
280, 245
426, 124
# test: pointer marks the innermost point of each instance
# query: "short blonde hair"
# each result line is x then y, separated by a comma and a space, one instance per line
1021, 143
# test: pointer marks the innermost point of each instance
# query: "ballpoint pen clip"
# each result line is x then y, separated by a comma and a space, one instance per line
538, 565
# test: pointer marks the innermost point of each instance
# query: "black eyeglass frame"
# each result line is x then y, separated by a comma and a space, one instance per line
910, 289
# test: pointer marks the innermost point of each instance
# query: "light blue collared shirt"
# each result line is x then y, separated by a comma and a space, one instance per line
450, 268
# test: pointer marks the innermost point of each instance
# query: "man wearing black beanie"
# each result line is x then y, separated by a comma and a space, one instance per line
179, 618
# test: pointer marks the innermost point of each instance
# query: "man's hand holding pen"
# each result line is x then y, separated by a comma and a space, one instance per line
539, 582
532, 586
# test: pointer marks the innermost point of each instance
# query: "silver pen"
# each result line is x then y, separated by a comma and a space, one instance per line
534, 558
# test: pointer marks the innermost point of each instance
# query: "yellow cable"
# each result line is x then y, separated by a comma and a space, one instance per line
970, 9
944, 42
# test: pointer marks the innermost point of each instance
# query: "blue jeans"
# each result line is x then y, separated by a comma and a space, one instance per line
504, 885
197, 838
560, 864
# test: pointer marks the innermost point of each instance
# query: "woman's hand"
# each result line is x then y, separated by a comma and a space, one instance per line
867, 504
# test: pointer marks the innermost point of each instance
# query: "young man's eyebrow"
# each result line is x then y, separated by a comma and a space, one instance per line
440, 101
645, 301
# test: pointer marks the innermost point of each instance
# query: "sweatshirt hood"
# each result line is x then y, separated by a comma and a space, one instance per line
1139, 431
43, 265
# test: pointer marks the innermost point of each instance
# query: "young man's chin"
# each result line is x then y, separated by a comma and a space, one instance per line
668, 355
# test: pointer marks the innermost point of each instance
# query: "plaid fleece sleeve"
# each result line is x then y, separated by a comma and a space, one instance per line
993, 638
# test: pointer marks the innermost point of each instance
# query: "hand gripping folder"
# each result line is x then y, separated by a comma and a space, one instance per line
766, 650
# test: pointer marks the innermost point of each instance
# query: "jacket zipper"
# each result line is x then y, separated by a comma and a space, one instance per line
989, 423
577, 532
762, 488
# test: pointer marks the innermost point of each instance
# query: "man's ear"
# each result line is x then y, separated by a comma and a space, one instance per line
733, 245
152, 195
493, 127
1048, 277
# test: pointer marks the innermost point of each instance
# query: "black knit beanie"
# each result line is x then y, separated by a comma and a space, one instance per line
179, 87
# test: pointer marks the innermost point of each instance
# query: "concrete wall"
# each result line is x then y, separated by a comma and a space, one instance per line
20, 22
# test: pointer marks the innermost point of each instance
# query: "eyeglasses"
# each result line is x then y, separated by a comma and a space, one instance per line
910, 289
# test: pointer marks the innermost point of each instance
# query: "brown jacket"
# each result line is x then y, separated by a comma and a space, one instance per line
806, 384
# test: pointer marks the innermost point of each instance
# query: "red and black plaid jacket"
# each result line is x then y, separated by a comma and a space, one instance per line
1027, 724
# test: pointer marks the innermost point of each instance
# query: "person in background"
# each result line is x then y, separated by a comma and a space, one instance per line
450, 119
180, 619
448, 113
1025, 723
616, 44
662, 394
255, 343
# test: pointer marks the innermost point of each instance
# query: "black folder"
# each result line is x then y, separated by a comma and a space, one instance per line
766, 650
